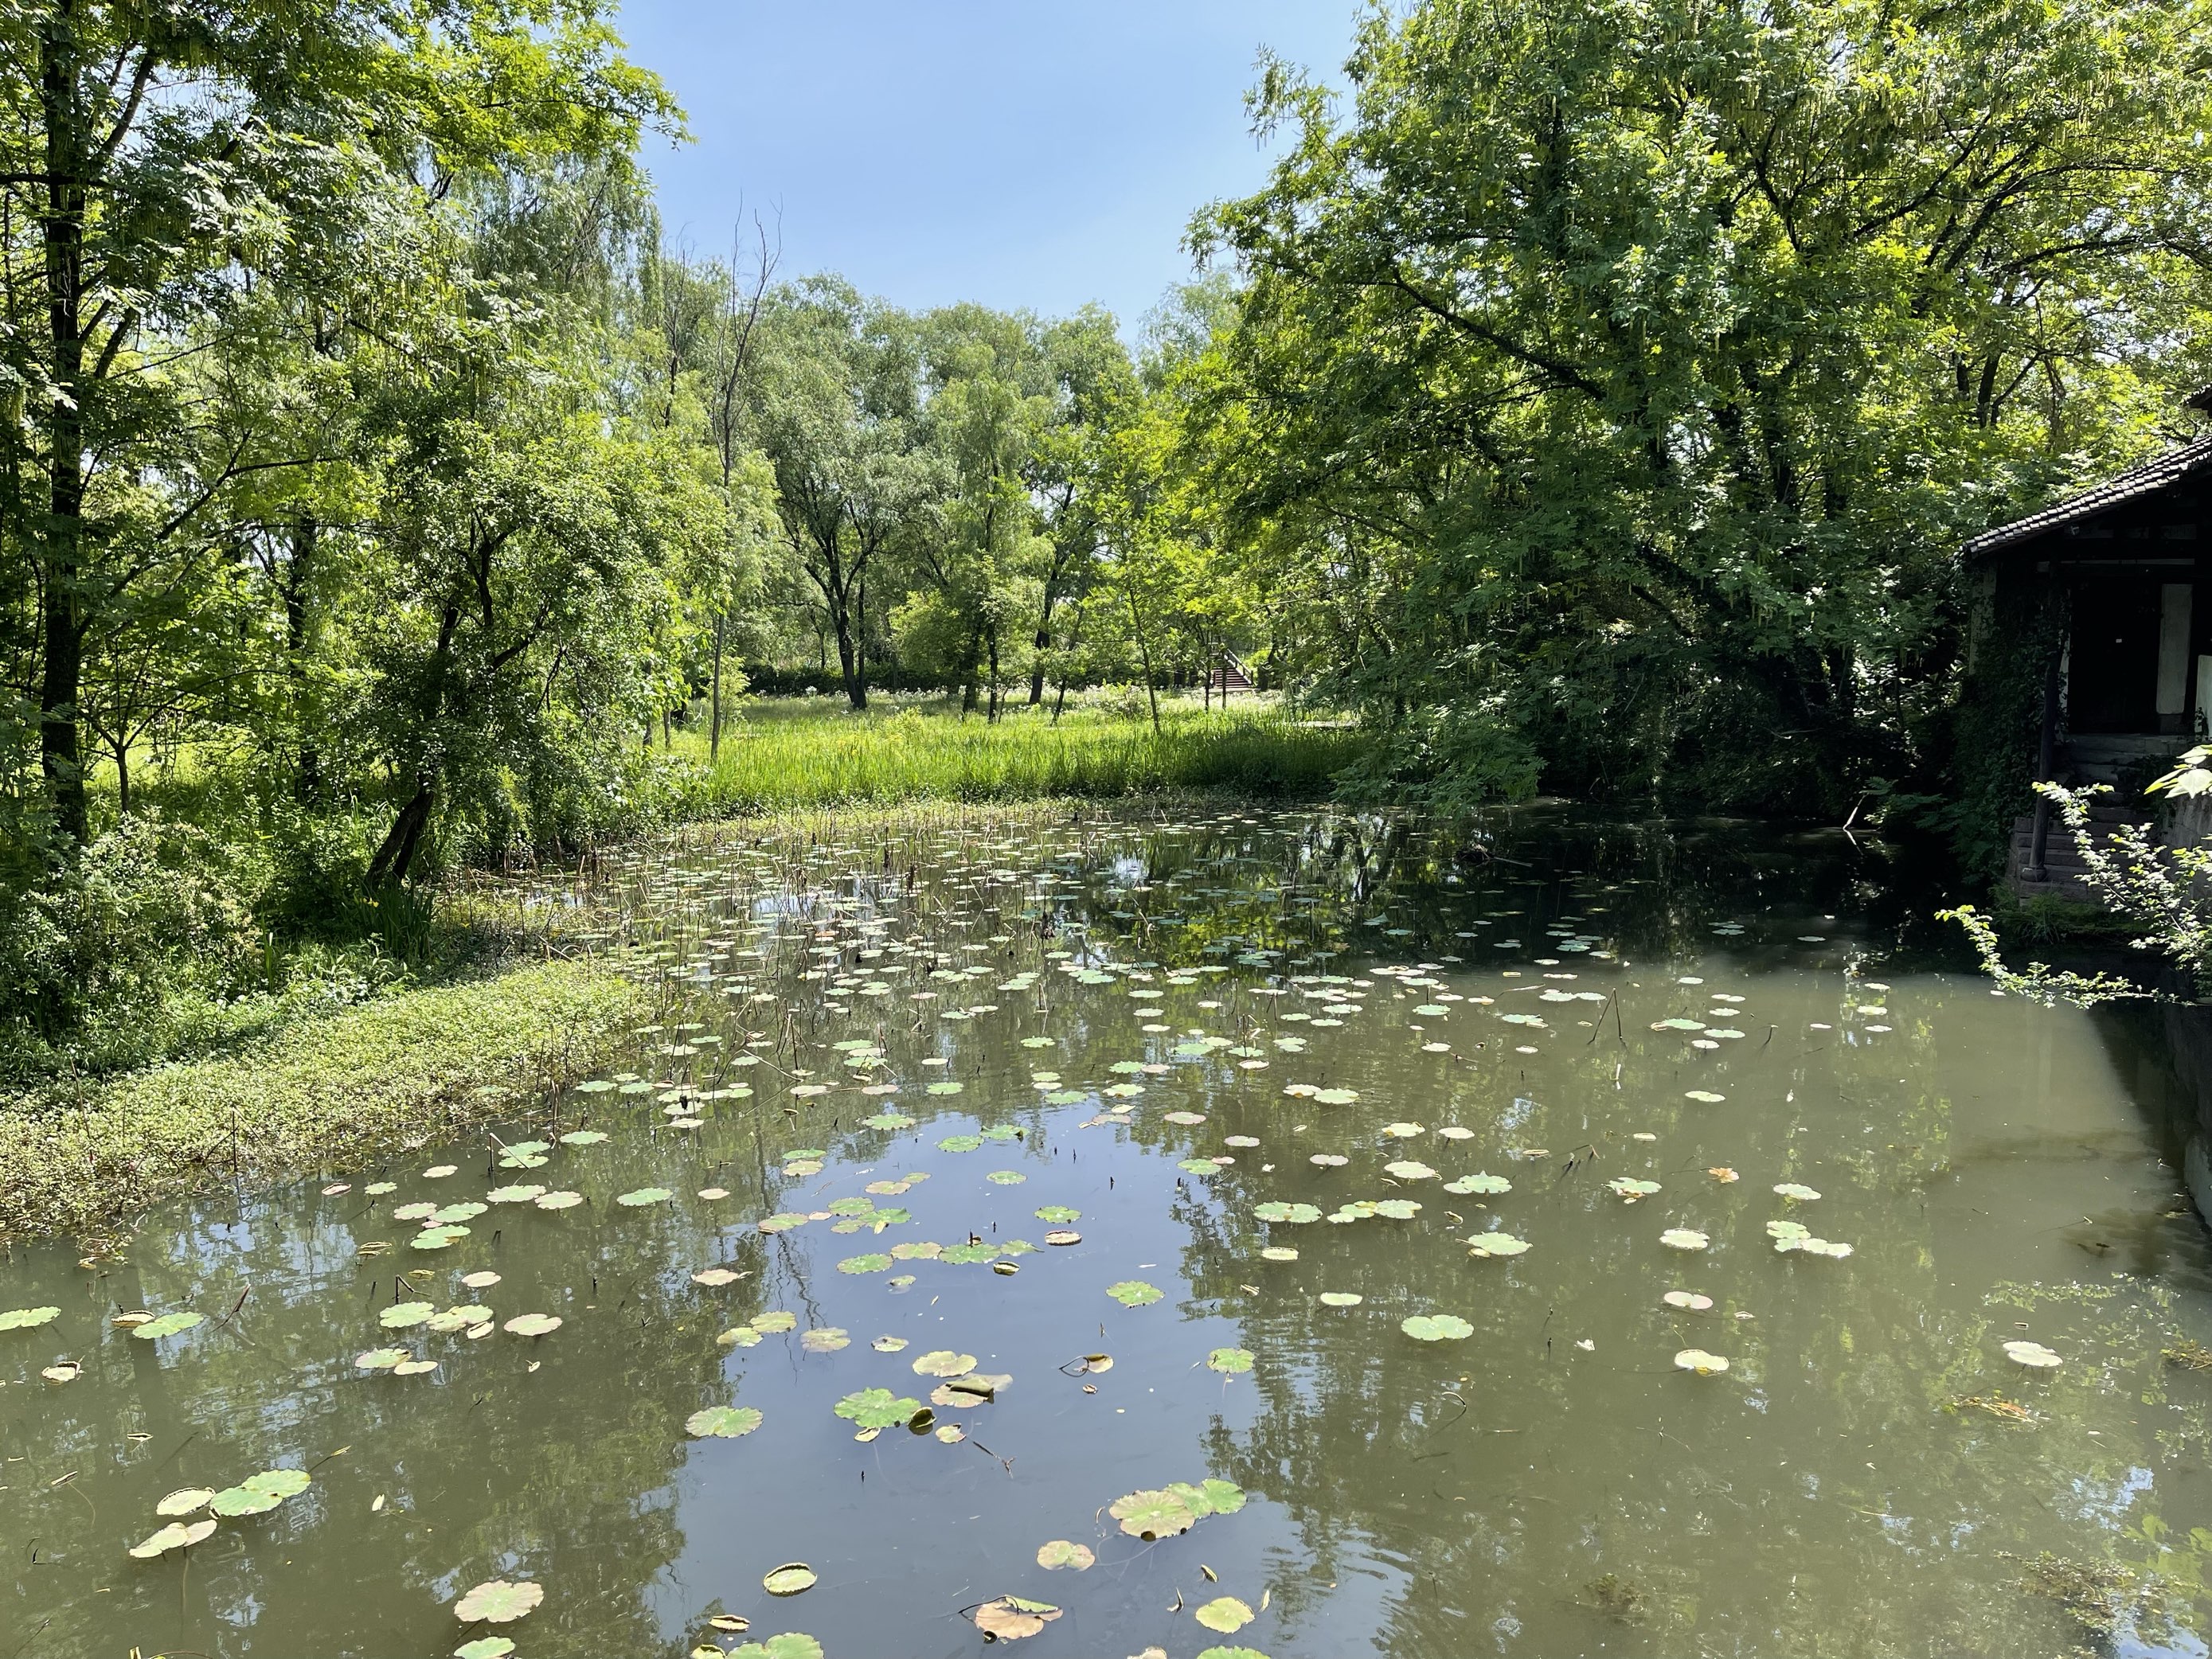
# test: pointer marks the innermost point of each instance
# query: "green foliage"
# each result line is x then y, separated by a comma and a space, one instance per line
1635, 371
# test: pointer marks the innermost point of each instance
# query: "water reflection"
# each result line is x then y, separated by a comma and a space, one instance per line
1105, 1018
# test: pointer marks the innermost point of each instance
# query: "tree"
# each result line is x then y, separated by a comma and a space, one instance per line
158, 163
1619, 379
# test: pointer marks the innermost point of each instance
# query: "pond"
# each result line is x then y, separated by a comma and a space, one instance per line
1261, 1232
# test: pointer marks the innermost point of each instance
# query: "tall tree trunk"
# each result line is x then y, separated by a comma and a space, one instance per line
307, 785
993, 717
61, 231
396, 855
849, 664
714, 716
1043, 644
1144, 651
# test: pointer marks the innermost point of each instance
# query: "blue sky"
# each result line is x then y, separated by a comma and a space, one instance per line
1022, 153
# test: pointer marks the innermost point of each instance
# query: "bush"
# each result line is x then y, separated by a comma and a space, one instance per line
108, 951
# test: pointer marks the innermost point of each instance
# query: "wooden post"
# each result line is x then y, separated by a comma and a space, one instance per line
2046, 761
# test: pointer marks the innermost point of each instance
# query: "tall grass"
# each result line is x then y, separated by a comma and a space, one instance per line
779, 763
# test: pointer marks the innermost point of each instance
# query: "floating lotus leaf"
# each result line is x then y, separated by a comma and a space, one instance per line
784, 1221
174, 1536
1341, 1299
740, 1336
1207, 1497
532, 1325
184, 1501
1229, 1362
1410, 1170
1496, 1244
1134, 1292
889, 1120
1010, 1618
1188, 1120
1700, 1361
24, 1319
827, 1339
1006, 1177
438, 1239
774, 1322
1295, 1214
558, 1200
1224, 1614
1335, 1096
960, 1143
877, 1408
1813, 1247
1059, 1212
415, 1212
715, 1277
1198, 1166
486, 1647
1684, 1238
1480, 1184
944, 1362
1689, 1299
404, 1314
498, 1603
2033, 1355
1059, 1552
236, 1501
1792, 1190
917, 1250
803, 1166
1677, 1025
1632, 1189
504, 1196
1704, 1097
582, 1138
1435, 1328
644, 1195
1279, 1253
415, 1368
381, 1359
722, 1422
967, 1254
168, 1324
946, 1087
889, 1344
1397, 1209
1230, 1653
1329, 1160
280, 1483
864, 1264
1151, 1514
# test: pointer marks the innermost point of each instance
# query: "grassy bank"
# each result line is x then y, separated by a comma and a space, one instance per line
341, 1090
782, 757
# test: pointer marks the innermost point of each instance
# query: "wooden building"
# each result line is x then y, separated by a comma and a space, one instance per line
2106, 599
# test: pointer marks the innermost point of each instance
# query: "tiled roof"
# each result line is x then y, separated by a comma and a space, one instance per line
2160, 472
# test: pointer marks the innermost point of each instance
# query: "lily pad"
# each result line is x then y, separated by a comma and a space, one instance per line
1006, 1177
184, 1501
792, 1645
583, 1137
169, 1324
825, 1338
24, 1319
1230, 1362
1436, 1327
1151, 1514
484, 1647
536, 1324
1058, 1213
1698, 1361
792, 1578
1060, 1552
1341, 1299
944, 1362
1134, 1292
1496, 1244
722, 1422
1796, 1193
1010, 1618
960, 1143
381, 1359
1478, 1183
175, 1536
498, 1603
644, 1195
877, 1408
403, 1316
1684, 1238
2033, 1355
875, 1263
1704, 1097
1410, 1170
1294, 1214
1224, 1614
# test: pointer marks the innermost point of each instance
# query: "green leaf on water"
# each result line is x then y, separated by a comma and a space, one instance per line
1478, 1183
1397, 1209
1296, 1214
1224, 1614
1062, 1552
1341, 1299
889, 1120
184, 1501
498, 1601
438, 1239
1497, 1245
1704, 1097
175, 1536
1134, 1292
877, 1408
486, 1647
497, 1196
1232, 1653
1230, 1362
1151, 1514
279, 1483
533, 1324
1058, 1213
581, 1138
168, 1324
864, 1264
1410, 1170
234, 1502
644, 1195
775, 1321
790, 1579
960, 1143
402, 1316
944, 1362
24, 1319
825, 1338
381, 1359
1279, 1253
1006, 1177
1436, 1327
947, 1087
722, 1422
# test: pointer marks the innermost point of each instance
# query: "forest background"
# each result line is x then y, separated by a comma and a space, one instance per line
1593, 399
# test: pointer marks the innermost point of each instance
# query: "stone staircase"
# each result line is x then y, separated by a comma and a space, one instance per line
2064, 868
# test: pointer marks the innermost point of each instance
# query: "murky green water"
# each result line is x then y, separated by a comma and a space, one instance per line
1079, 1023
